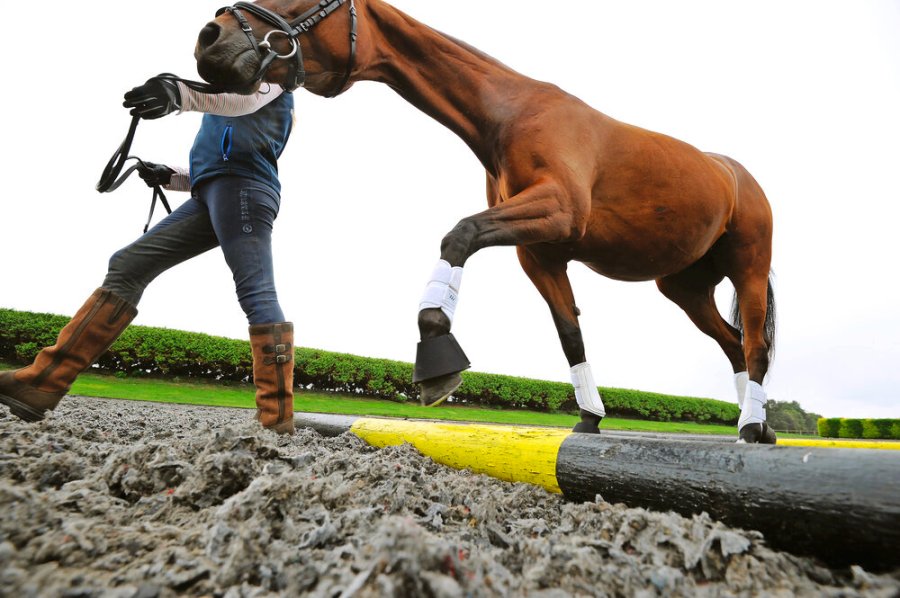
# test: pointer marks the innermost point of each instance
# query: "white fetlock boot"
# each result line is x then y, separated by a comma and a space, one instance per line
740, 384
588, 397
752, 427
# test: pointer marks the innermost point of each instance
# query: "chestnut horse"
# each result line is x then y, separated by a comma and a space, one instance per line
564, 182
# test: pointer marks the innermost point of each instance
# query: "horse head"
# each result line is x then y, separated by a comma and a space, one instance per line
289, 42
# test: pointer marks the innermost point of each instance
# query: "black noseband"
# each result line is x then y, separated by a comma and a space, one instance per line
292, 30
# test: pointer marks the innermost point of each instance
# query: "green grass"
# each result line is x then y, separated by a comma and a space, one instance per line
241, 396
214, 394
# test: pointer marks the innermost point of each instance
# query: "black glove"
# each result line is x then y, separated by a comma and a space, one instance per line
154, 99
154, 174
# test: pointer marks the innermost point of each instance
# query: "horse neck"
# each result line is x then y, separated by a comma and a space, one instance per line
454, 83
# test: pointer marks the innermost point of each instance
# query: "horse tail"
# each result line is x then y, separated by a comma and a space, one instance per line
768, 327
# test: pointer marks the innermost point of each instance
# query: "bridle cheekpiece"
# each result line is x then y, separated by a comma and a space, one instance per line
292, 30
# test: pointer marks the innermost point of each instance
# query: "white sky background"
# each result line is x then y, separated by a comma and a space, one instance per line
804, 94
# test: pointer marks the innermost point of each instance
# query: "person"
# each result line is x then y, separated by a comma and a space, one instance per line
235, 198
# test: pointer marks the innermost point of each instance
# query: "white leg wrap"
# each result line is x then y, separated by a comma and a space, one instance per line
753, 410
586, 392
740, 383
443, 288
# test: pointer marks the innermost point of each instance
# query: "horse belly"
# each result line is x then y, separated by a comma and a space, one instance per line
658, 205
649, 240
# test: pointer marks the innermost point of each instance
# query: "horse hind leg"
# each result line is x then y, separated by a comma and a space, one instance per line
693, 291
745, 254
755, 316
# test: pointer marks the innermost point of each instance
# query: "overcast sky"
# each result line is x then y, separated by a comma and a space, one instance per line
803, 93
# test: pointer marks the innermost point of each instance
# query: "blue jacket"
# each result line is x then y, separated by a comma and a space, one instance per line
247, 146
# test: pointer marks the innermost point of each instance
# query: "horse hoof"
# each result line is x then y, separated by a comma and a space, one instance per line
757, 434
437, 390
589, 424
586, 428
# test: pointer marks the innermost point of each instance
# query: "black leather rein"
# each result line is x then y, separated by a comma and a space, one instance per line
292, 30
112, 176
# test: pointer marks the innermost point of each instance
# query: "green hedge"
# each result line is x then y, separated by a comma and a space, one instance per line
876, 428
829, 427
146, 351
837, 427
850, 428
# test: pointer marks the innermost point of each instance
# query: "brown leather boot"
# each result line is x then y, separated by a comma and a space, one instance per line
33, 390
273, 375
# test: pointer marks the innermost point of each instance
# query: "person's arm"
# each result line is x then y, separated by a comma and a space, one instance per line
180, 181
160, 96
227, 104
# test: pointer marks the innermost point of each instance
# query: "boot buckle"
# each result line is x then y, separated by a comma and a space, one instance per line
277, 349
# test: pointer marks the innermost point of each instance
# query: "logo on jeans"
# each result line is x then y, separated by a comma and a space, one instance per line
245, 213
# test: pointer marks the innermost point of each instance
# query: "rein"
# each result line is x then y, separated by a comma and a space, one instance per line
112, 176
292, 30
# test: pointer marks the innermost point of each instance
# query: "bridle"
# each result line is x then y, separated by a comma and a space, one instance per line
296, 76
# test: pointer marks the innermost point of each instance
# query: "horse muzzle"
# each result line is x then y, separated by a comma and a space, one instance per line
226, 60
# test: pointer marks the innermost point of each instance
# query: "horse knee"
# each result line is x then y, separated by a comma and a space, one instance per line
457, 245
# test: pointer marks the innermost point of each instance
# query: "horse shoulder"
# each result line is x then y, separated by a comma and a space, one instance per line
555, 138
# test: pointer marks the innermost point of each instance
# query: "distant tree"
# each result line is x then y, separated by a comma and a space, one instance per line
811, 424
789, 416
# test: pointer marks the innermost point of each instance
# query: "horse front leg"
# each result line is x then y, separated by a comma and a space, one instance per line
552, 282
439, 358
541, 213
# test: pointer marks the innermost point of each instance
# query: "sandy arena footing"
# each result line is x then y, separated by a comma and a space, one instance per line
128, 499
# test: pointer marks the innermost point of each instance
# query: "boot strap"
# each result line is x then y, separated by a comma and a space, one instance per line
282, 353
277, 349
279, 359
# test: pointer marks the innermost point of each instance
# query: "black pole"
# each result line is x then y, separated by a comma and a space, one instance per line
840, 505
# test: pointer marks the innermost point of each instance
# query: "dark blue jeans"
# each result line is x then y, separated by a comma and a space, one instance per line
233, 213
